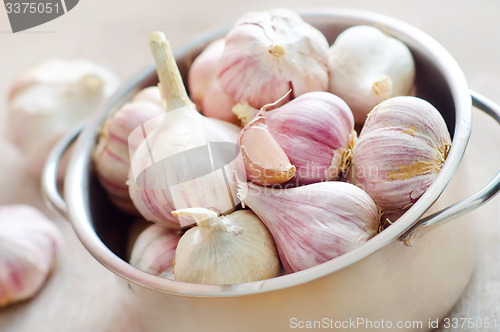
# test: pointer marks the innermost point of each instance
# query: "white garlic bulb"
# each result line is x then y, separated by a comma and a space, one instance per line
204, 89
268, 53
399, 153
154, 250
49, 99
28, 246
367, 67
111, 155
232, 249
178, 163
313, 223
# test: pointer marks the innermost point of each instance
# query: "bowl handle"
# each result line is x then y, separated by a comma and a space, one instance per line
472, 202
50, 188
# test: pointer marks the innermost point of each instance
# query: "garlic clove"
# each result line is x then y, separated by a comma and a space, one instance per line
367, 67
233, 249
154, 250
314, 223
400, 151
183, 159
111, 155
46, 101
268, 53
29, 243
265, 161
320, 144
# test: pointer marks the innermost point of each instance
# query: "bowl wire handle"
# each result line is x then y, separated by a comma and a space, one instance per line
49, 182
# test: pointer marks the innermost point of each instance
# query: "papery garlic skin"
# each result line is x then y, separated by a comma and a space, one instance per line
268, 53
177, 163
313, 223
29, 243
154, 250
316, 131
204, 89
400, 152
367, 67
49, 99
111, 155
232, 249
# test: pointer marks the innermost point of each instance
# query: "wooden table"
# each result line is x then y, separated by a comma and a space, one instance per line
80, 294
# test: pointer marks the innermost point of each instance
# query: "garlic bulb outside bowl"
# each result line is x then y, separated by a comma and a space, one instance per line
49, 99
29, 243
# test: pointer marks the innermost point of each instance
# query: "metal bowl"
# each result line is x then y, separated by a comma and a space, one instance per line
383, 279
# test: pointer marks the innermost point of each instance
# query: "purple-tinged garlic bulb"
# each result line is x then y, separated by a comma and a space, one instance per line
316, 132
230, 249
367, 67
50, 99
314, 223
399, 153
204, 89
154, 250
111, 155
268, 53
29, 243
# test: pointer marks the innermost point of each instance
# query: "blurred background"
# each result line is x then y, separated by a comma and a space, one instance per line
115, 33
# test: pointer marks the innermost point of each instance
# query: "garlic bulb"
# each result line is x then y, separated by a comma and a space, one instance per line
154, 250
184, 159
400, 151
204, 88
268, 53
48, 100
233, 249
316, 132
367, 67
313, 223
111, 155
265, 161
28, 246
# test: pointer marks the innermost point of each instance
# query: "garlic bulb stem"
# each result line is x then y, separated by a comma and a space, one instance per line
171, 87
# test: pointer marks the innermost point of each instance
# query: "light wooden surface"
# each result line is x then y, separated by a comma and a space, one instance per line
80, 294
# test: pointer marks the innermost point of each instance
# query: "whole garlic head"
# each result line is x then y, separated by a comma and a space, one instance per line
400, 151
154, 250
28, 248
367, 67
313, 223
225, 250
268, 53
111, 155
49, 99
204, 89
